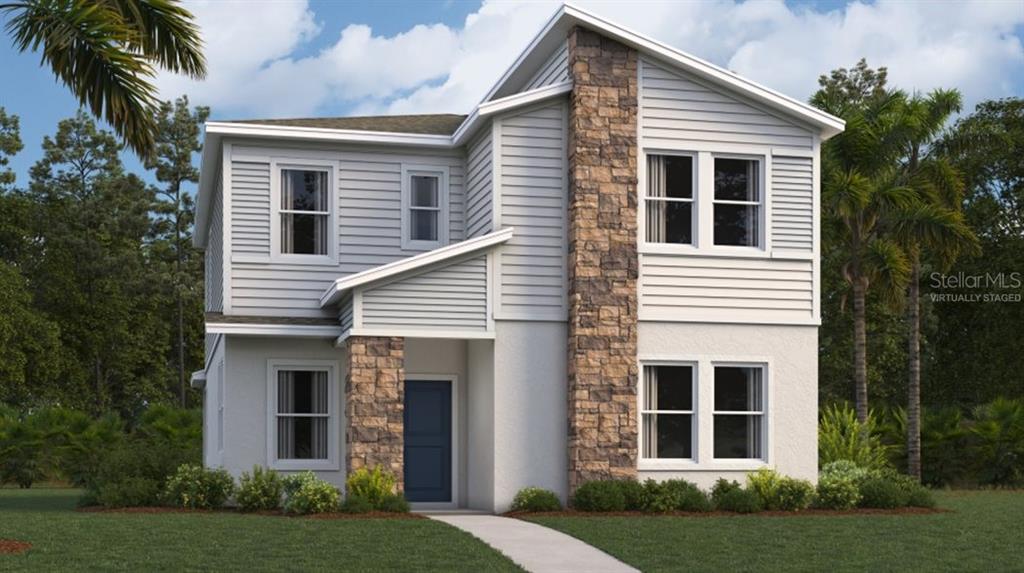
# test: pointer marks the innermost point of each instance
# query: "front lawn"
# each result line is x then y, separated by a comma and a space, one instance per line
65, 539
983, 532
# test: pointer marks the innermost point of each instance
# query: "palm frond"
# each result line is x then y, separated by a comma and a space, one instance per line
888, 269
164, 32
84, 44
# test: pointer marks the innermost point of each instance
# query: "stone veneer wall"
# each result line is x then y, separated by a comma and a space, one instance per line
602, 259
375, 404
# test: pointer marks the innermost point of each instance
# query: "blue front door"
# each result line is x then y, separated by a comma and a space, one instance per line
428, 441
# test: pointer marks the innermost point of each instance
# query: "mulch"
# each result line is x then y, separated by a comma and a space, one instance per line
12, 547
806, 512
332, 515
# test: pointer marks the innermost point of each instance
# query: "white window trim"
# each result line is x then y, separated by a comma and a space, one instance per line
330, 167
762, 205
441, 172
765, 425
695, 222
703, 453
334, 421
670, 463
703, 201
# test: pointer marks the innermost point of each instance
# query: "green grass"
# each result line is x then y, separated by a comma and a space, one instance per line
64, 539
984, 532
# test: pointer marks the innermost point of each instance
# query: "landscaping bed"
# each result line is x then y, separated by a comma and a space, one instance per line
857, 511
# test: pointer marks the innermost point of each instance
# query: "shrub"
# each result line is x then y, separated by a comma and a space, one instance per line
794, 494
633, 493
309, 494
739, 500
779, 492
921, 496
882, 493
998, 433
674, 495
195, 487
844, 470
136, 459
721, 488
600, 495
842, 437
356, 504
372, 485
393, 503
127, 492
836, 492
536, 499
260, 490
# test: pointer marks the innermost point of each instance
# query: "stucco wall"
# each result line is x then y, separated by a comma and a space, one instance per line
480, 424
530, 404
792, 355
245, 411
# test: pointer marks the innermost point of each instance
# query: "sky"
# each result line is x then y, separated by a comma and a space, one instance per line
299, 58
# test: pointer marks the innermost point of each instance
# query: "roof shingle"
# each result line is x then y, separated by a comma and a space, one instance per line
429, 124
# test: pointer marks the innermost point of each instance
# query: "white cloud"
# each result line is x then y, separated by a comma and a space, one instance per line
433, 68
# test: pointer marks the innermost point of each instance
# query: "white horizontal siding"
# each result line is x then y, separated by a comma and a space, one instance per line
346, 313
554, 70
792, 204
369, 198
214, 255
711, 289
479, 186
534, 198
250, 208
450, 298
675, 109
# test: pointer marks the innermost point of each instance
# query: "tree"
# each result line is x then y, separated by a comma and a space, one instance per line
976, 355
861, 195
106, 52
177, 139
10, 144
92, 270
932, 228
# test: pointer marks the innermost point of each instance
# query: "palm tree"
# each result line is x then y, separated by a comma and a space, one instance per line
933, 228
861, 200
105, 51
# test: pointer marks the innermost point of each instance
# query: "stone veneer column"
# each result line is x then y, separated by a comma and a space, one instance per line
375, 404
602, 259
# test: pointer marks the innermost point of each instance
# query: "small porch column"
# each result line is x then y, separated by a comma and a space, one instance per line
374, 404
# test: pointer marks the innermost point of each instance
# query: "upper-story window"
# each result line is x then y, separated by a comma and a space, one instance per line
304, 211
671, 180
424, 207
737, 208
704, 200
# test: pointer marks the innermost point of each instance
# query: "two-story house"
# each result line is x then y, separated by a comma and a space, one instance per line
608, 268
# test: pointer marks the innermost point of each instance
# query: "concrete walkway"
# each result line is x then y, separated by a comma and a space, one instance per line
534, 547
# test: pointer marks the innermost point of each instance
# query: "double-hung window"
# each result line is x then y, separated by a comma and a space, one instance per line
304, 416
304, 211
424, 207
739, 414
737, 202
671, 180
667, 412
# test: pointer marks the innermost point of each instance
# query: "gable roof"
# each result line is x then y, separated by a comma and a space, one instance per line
453, 130
336, 291
429, 124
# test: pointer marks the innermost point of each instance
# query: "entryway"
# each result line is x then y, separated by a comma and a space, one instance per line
428, 441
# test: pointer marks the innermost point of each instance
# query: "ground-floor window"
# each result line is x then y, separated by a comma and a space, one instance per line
702, 411
739, 426
303, 422
667, 412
